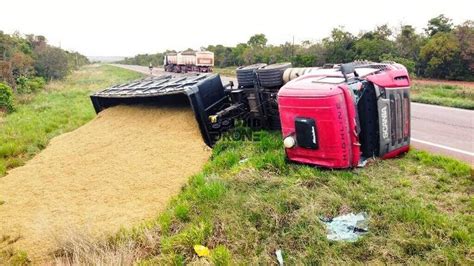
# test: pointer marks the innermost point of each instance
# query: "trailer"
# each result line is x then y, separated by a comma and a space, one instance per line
189, 61
329, 117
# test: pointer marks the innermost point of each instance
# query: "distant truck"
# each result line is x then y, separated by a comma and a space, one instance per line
189, 61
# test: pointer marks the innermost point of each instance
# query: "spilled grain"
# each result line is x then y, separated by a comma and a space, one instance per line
116, 170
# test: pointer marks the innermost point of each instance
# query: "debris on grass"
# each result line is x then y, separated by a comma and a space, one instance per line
201, 251
348, 227
244, 160
279, 256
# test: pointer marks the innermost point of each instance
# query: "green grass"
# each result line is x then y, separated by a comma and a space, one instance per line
248, 202
62, 107
445, 95
225, 71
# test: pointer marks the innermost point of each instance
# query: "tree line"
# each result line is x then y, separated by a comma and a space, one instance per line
443, 50
28, 61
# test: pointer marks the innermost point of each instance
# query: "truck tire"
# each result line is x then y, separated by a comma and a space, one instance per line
271, 76
246, 76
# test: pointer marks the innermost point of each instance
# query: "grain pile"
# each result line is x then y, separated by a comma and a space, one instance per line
116, 170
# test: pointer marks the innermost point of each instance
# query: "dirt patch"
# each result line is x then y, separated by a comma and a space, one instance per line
116, 170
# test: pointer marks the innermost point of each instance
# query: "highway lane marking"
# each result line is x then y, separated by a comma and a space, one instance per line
454, 109
444, 147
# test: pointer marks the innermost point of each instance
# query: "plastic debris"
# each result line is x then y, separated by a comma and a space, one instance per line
244, 160
348, 227
279, 255
201, 251
362, 162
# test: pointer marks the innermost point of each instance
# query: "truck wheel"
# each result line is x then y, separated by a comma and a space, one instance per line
271, 76
246, 75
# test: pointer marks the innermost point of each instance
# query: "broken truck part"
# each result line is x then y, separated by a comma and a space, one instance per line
332, 117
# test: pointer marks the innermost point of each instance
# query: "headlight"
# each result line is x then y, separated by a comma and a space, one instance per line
289, 142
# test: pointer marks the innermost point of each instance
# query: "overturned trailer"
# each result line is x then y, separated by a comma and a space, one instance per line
329, 117
205, 93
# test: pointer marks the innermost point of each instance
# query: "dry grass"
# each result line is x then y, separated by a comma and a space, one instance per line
80, 249
115, 171
226, 71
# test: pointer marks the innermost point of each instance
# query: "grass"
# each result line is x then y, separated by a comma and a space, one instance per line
62, 107
225, 71
445, 95
248, 202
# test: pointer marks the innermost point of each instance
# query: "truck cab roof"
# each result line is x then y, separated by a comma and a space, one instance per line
324, 82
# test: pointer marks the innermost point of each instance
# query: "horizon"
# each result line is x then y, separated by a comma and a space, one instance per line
123, 31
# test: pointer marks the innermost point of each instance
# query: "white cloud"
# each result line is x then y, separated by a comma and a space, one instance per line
95, 27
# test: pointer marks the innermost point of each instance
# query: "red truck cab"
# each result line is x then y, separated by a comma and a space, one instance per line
334, 119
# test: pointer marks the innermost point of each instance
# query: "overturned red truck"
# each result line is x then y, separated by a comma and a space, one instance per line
334, 117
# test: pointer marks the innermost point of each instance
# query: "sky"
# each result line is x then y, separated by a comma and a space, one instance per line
126, 28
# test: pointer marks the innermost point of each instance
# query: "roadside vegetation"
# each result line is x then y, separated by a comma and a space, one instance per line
225, 71
445, 95
248, 202
442, 50
27, 61
60, 107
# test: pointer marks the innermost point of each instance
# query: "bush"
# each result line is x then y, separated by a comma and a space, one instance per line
37, 83
6, 98
51, 63
29, 85
408, 63
221, 256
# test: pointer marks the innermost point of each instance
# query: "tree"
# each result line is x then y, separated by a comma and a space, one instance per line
319, 52
22, 64
238, 53
439, 55
465, 36
373, 45
439, 24
76, 60
257, 40
339, 46
222, 55
408, 43
51, 63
